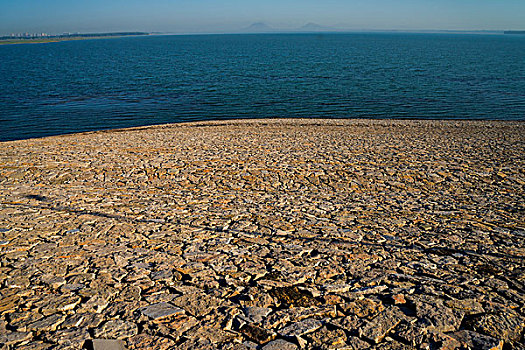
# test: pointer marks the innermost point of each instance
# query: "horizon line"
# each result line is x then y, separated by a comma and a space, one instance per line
271, 30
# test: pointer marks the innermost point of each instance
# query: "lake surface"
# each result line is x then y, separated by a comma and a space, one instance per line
73, 86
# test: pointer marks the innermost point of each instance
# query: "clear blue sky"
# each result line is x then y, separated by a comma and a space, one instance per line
56, 16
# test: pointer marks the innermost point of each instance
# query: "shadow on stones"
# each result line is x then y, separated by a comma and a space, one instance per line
293, 296
37, 197
83, 212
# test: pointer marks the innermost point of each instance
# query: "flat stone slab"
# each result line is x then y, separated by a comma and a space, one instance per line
59, 304
256, 314
108, 344
10, 338
280, 344
300, 328
161, 310
49, 323
198, 304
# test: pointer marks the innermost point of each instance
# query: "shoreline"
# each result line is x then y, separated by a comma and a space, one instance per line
266, 233
248, 120
60, 39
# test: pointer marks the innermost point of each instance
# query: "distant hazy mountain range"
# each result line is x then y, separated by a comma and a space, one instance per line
261, 27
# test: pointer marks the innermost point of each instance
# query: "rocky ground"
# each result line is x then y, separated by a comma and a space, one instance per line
273, 234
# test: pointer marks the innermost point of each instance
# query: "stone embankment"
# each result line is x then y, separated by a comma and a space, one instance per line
268, 234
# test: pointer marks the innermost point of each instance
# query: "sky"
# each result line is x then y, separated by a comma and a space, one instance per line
196, 16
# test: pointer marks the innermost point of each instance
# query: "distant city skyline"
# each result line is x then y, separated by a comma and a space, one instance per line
208, 16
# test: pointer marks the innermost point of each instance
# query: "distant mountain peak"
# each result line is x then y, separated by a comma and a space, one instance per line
315, 27
312, 25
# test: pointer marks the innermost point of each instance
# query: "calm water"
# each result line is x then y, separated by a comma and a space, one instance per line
57, 88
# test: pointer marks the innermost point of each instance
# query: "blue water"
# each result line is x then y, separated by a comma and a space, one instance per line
56, 88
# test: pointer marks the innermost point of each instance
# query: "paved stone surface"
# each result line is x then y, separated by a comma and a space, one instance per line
220, 235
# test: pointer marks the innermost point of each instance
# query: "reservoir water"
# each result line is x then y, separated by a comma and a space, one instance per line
74, 86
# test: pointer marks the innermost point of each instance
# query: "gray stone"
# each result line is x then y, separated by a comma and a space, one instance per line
280, 344
300, 328
107, 344
91, 320
162, 275
72, 287
161, 310
256, 314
